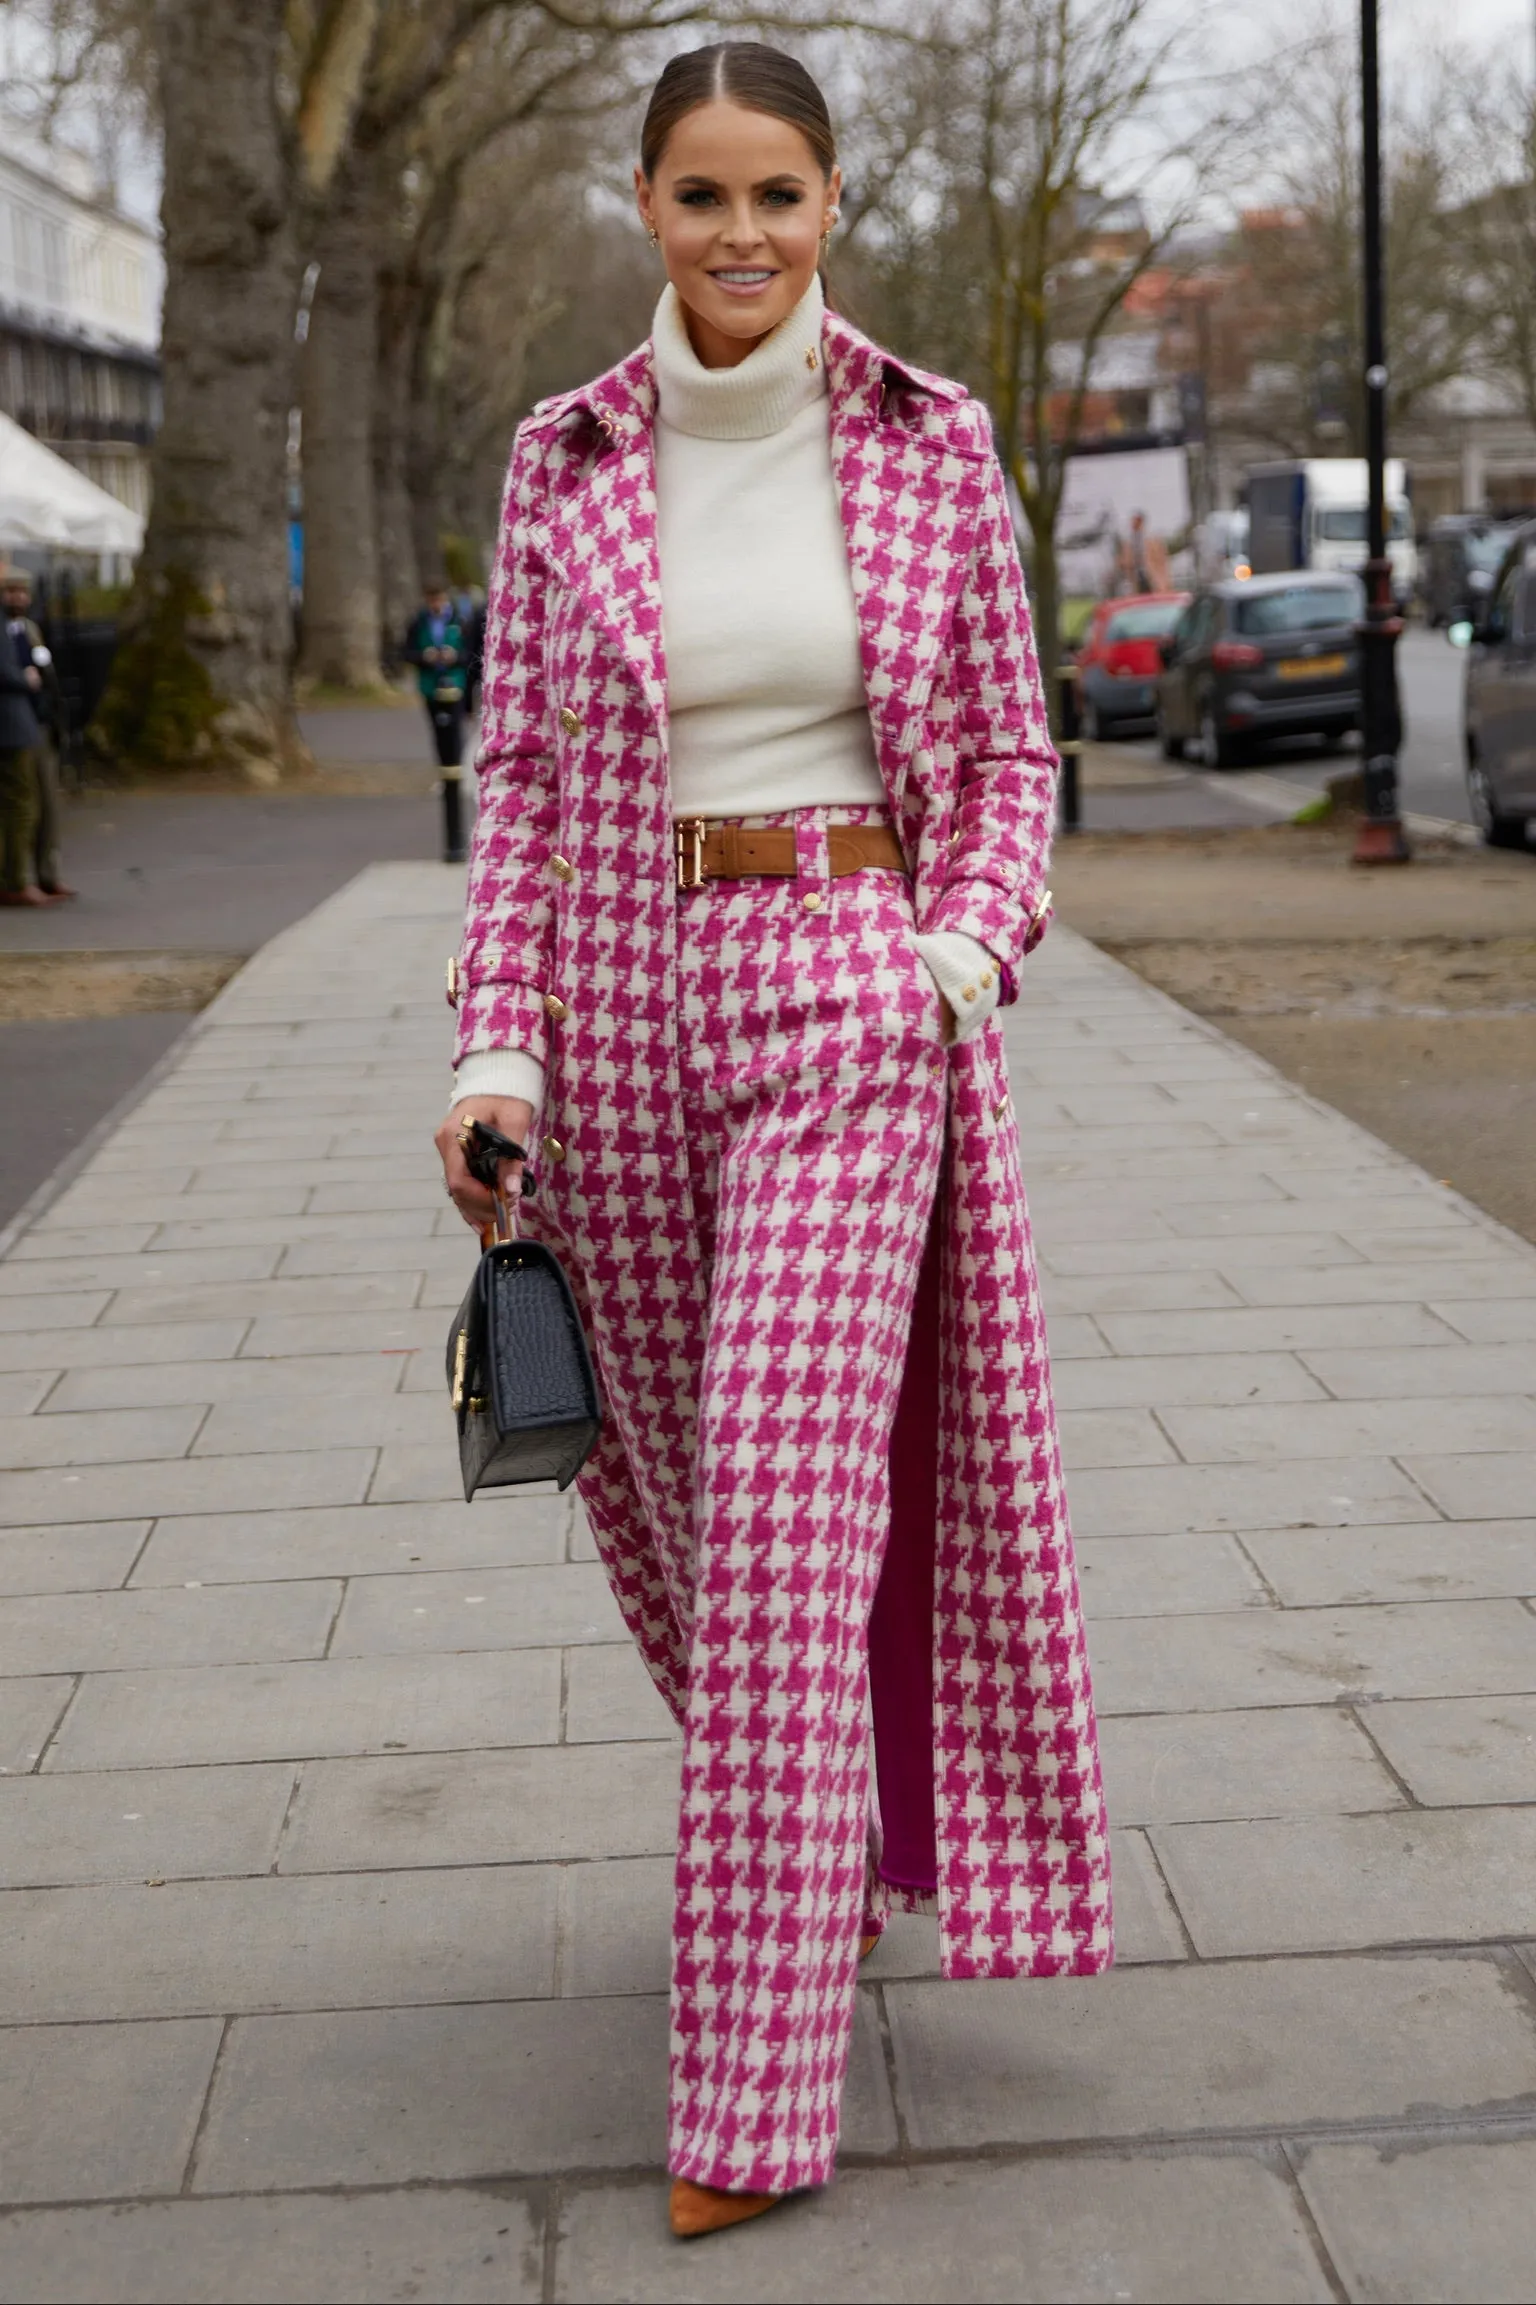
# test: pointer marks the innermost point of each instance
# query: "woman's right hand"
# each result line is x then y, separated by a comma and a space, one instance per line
514, 1118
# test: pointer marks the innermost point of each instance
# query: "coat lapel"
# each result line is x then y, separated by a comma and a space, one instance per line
602, 537
911, 487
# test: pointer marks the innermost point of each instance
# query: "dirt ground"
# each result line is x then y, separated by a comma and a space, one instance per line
1407, 998
48, 988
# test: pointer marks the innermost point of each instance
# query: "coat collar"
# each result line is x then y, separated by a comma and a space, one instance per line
907, 456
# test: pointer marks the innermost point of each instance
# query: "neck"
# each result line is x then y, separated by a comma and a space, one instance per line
760, 389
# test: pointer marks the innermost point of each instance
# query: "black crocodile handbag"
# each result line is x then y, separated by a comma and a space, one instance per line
524, 1392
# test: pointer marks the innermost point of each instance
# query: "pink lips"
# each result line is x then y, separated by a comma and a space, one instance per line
744, 287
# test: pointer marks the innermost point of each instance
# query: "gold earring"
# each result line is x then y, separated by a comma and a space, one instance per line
654, 236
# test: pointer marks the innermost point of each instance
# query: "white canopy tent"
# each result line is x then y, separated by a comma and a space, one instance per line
44, 501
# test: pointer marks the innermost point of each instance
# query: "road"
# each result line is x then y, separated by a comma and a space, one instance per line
1431, 767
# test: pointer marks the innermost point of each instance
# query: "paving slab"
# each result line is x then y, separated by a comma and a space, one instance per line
1166, 1576
242, 1383
91, 1348
215, 1947
1509, 1320
86, 1557
246, 1428
136, 1825
115, 1632
1306, 1761
1411, 1561
354, 1540
478, 1609
92, 2111
1280, 1433
1444, 2222
186, 1485
1477, 1488
114, 1436
610, 1698
1079, 2229
1211, 2047
30, 1711
1314, 1884
1270, 1328
1313, 1656
202, 1714
485, 1808
380, 2097
1163, 1500
1203, 1380
1461, 1751
463, 2245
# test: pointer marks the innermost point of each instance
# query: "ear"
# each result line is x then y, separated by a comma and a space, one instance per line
644, 201
835, 189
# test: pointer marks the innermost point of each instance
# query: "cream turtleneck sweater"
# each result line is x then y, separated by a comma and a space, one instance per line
765, 686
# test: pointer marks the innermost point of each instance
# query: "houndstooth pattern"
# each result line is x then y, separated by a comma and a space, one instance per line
575, 630
813, 1106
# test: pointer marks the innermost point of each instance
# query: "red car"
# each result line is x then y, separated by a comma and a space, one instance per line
1119, 661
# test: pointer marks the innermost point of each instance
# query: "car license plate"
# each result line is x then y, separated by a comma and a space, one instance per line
1310, 667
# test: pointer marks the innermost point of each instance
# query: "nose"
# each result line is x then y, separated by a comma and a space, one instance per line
742, 230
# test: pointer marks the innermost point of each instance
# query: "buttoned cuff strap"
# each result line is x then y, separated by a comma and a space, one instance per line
966, 974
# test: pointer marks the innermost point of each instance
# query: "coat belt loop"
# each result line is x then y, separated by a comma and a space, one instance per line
815, 869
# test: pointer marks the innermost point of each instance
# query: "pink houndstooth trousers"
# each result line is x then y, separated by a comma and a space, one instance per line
813, 1079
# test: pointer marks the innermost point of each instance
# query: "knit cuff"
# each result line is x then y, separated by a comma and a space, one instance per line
507, 1072
966, 974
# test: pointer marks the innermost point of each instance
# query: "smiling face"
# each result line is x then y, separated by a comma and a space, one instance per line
739, 204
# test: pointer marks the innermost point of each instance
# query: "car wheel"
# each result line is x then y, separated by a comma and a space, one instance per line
1220, 751
1171, 747
1498, 831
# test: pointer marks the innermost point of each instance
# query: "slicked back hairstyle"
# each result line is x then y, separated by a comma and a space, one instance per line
746, 72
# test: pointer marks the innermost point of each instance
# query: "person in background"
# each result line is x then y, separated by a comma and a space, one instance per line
21, 734
438, 645
25, 641
1141, 564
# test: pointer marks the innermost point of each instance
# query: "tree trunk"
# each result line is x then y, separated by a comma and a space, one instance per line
400, 321
342, 625
1045, 605
201, 677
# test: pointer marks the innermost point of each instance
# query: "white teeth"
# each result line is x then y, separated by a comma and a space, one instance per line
744, 279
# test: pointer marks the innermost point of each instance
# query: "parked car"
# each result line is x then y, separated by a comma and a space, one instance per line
1461, 558
1119, 660
1499, 715
1258, 657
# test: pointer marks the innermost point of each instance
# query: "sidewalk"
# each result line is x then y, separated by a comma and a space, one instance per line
333, 1958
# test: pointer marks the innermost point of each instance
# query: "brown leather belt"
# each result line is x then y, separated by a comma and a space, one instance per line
708, 851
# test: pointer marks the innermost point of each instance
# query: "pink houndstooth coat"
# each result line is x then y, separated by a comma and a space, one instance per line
569, 951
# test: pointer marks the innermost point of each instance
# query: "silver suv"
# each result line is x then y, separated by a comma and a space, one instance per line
1500, 710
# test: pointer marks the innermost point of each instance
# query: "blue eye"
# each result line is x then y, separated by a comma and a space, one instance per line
699, 198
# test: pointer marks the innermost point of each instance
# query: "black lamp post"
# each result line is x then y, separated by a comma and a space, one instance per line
1381, 838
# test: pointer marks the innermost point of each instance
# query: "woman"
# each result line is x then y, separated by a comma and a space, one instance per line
765, 804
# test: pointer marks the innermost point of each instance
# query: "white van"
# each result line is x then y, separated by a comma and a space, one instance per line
1311, 513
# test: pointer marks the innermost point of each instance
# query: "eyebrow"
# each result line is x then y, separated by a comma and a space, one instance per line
784, 176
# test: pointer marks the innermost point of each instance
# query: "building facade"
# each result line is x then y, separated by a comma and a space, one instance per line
80, 290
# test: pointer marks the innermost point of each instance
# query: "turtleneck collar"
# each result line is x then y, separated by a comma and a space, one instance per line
780, 377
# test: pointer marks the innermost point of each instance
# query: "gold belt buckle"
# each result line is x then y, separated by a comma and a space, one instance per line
688, 833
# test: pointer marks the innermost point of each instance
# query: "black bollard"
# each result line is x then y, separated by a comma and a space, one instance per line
1070, 745
453, 815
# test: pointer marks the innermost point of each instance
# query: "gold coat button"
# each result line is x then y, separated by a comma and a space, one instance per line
555, 1007
554, 1150
452, 981
969, 993
562, 868
812, 900
570, 721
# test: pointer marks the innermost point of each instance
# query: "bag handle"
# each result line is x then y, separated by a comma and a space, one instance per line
484, 1149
